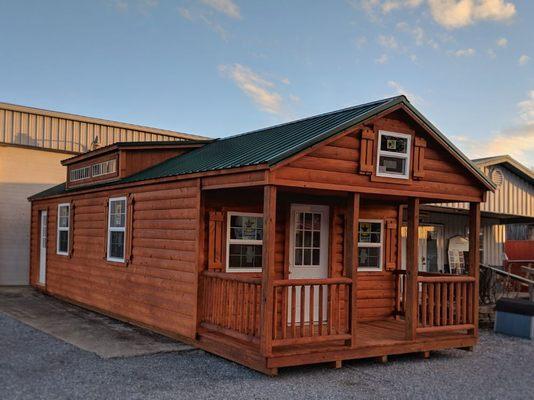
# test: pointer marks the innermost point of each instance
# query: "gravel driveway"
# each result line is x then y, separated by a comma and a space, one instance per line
34, 365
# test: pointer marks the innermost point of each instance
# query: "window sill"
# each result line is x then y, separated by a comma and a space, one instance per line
387, 179
117, 263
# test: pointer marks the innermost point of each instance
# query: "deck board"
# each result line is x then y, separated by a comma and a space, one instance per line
374, 339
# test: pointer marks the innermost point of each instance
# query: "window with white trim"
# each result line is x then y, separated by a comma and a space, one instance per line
104, 168
244, 242
370, 243
393, 156
63, 225
80, 173
116, 229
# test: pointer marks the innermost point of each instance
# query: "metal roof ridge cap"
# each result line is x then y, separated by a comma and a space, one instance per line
386, 100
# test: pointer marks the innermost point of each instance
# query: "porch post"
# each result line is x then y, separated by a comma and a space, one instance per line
412, 268
351, 257
269, 232
474, 258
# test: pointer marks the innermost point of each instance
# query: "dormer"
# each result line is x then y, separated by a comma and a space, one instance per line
122, 159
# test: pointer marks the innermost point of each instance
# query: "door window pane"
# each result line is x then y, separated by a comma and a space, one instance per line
307, 239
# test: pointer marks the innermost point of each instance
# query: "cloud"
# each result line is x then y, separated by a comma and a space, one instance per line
517, 141
523, 60
285, 81
214, 26
454, 14
259, 89
227, 7
398, 90
193, 15
388, 42
502, 42
186, 13
142, 6
491, 53
361, 41
387, 6
383, 59
418, 34
526, 109
463, 52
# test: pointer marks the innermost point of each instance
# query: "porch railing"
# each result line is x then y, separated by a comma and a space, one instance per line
231, 305
445, 302
311, 310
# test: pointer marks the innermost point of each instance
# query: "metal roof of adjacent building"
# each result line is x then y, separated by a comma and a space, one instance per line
271, 145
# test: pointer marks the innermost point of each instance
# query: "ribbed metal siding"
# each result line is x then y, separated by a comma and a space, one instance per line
514, 197
493, 234
31, 128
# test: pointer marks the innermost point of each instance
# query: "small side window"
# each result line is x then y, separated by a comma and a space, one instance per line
393, 159
116, 229
370, 243
244, 242
63, 226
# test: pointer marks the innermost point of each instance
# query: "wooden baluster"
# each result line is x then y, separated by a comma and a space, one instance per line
444, 307
451, 303
438, 286
293, 311
321, 299
284, 312
275, 312
302, 309
431, 304
458, 301
331, 313
464, 303
338, 308
424, 306
312, 310
469, 303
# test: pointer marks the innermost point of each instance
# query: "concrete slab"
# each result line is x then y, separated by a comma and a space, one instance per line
106, 337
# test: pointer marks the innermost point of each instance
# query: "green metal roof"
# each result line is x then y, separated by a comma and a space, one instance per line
271, 145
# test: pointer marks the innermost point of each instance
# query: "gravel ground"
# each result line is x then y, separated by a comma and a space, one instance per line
34, 365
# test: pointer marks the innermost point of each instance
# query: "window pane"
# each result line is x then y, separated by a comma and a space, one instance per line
117, 213
392, 165
394, 144
246, 227
316, 222
369, 257
116, 245
298, 256
245, 256
63, 245
307, 238
316, 256
64, 216
307, 257
369, 232
316, 239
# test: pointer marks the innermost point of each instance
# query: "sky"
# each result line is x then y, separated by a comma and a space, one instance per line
222, 67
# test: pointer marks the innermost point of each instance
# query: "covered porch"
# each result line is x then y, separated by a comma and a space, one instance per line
275, 319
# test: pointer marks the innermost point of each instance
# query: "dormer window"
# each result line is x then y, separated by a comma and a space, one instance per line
393, 160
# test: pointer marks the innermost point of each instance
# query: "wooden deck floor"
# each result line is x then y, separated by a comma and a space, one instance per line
375, 339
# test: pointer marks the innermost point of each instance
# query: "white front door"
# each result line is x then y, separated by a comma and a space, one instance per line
42, 247
308, 250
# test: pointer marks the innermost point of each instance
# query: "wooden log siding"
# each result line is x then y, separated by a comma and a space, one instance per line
157, 288
343, 164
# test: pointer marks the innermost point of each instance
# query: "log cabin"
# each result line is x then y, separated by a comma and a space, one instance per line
274, 248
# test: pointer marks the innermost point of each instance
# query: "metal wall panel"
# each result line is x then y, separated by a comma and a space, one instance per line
52, 130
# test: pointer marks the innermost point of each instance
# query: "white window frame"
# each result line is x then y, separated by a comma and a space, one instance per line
104, 164
229, 241
367, 244
405, 156
73, 172
62, 229
117, 229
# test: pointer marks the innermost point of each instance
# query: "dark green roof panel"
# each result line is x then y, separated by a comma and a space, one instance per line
267, 145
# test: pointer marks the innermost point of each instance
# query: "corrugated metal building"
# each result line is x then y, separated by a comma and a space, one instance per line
32, 144
507, 213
